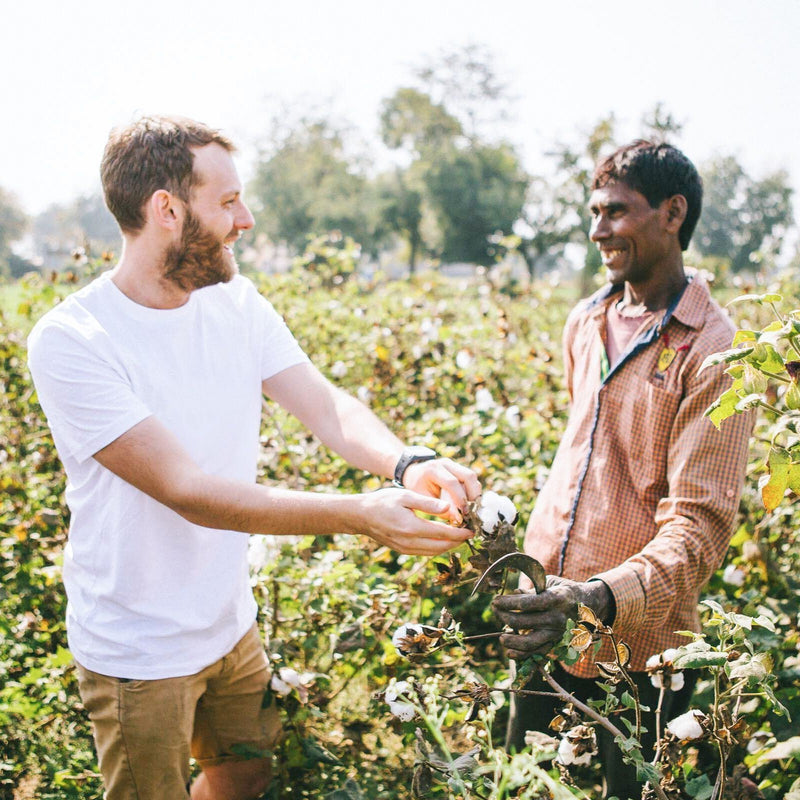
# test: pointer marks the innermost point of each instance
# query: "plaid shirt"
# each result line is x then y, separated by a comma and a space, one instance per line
643, 490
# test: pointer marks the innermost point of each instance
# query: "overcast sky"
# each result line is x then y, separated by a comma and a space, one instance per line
729, 70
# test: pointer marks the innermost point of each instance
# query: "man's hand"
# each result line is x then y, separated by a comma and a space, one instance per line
540, 619
442, 477
388, 517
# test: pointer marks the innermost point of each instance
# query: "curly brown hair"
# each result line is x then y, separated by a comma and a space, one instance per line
152, 153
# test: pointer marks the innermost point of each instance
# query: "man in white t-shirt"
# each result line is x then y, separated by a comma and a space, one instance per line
151, 378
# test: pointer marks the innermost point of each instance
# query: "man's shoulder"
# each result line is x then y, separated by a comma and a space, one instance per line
715, 327
75, 313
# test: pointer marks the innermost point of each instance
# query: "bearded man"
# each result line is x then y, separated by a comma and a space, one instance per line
151, 378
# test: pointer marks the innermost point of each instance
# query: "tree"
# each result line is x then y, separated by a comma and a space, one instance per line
743, 220
13, 224
659, 125
307, 185
466, 82
411, 121
557, 208
400, 209
63, 227
475, 193
470, 186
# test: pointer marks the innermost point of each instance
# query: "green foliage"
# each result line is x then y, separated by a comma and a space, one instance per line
308, 183
464, 367
743, 220
475, 194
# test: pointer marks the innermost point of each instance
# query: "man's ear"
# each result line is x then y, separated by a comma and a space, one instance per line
164, 210
676, 208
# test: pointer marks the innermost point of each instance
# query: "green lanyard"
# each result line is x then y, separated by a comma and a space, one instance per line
605, 367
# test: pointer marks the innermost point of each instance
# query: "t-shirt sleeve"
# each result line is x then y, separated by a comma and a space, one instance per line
279, 349
87, 400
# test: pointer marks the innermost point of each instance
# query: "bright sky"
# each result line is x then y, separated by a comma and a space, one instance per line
728, 69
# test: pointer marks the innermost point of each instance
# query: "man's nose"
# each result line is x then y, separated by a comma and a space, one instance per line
244, 219
599, 229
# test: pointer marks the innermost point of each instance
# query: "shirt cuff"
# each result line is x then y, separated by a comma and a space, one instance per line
626, 588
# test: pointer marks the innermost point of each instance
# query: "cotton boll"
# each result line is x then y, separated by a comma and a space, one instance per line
464, 359
405, 712
364, 395
687, 726
396, 689
567, 754
512, 416
399, 707
484, 401
495, 508
279, 686
405, 631
676, 681
733, 575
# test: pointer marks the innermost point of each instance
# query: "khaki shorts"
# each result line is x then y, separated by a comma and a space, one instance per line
145, 731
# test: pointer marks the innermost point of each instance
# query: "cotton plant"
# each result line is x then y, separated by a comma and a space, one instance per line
287, 681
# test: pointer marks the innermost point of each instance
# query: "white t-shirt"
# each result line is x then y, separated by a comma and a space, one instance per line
151, 595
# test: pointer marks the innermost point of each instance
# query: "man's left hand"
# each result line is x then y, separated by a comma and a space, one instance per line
442, 477
540, 619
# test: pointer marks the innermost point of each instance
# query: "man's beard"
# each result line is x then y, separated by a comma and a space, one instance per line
199, 259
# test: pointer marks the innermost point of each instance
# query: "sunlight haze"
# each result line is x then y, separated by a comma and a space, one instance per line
728, 71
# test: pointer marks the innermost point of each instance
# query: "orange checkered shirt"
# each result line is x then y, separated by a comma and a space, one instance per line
643, 490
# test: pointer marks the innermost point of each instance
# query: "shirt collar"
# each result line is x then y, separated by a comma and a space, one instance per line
691, 309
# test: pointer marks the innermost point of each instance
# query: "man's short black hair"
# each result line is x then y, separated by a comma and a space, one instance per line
657, 171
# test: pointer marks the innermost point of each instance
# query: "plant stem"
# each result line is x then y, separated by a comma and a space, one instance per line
588, 710
493, 635
769, 407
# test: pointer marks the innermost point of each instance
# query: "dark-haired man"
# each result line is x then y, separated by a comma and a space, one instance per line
151, 378
638, 508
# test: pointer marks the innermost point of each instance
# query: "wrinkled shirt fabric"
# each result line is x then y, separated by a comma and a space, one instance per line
643, 491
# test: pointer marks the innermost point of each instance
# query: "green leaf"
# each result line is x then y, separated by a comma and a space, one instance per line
316, 754
794, 477
790, 748
627, 700
744, 336
747, 402
723, 407
647, 772
700, 787
348, 791
725, 357
755, 298
698, 660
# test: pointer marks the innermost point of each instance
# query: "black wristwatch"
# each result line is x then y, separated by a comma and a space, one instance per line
411, 455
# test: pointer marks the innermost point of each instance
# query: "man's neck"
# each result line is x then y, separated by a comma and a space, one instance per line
140, 276
657, 293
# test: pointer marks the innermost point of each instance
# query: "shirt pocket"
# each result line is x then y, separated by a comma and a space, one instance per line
645, 421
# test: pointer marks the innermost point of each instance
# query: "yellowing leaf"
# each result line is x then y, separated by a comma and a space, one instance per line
381, 353
774, 486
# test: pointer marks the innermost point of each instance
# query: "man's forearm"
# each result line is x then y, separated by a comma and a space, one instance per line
215, 502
